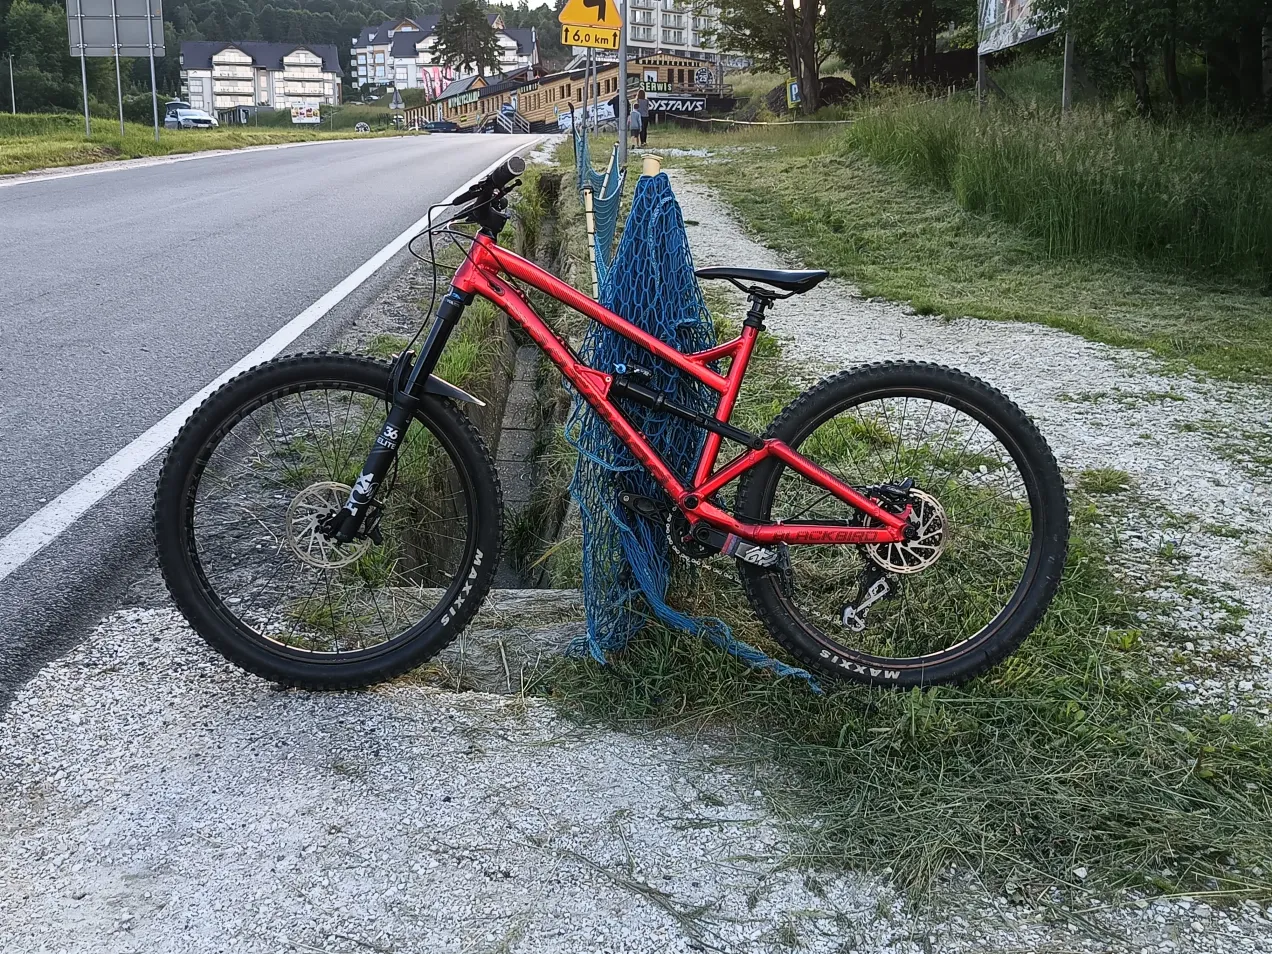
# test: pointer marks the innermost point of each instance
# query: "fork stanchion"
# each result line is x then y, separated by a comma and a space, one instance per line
590, 218
650, 165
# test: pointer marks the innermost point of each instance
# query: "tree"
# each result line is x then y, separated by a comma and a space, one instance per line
1228, 36
465, 38
780, 35
902, 36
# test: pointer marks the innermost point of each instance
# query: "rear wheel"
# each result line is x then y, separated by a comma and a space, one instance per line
246, 486
988, 505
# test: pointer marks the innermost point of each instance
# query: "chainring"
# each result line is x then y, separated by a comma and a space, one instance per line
682, 540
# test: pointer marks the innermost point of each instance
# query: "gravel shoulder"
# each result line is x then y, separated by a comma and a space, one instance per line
158, 800
1191, 519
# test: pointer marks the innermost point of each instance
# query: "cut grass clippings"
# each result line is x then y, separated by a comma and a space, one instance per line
1070, 755
44, 142
809, 192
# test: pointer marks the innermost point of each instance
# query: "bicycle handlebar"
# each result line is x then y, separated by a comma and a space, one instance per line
495, 182
507, 172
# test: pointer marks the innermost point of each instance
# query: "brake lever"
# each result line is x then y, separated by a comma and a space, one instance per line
472, 192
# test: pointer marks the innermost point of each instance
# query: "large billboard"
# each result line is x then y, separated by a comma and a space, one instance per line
1005, 23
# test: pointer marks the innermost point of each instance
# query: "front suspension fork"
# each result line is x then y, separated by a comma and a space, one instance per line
346, 523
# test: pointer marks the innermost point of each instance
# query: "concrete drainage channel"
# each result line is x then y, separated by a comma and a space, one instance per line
527, 621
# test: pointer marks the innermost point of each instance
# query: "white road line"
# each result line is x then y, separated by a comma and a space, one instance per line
50, 521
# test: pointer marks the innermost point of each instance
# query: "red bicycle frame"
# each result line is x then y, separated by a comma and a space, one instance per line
480, 275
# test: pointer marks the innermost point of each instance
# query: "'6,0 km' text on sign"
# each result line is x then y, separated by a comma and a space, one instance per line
601, 38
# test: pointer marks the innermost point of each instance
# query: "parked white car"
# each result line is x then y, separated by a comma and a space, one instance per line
184, 117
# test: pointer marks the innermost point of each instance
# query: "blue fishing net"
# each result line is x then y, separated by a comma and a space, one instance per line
626, 557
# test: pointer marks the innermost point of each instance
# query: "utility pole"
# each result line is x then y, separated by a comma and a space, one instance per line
119, 82
83, 54
154, 89
622, 90
1066, 94
13, 99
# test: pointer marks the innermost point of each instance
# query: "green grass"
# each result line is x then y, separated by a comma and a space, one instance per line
1071, 754
1263, 560
804, 191
1197, 195
1104, 480
39, 142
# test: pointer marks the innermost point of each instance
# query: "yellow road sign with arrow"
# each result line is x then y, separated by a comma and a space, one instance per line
590, 23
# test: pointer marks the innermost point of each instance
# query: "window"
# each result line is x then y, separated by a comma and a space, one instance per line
379, 57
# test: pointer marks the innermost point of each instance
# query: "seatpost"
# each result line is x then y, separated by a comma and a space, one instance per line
760, 301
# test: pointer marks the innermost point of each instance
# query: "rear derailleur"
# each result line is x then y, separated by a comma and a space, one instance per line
873, 587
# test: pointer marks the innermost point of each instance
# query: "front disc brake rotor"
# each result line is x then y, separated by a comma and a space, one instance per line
305, 514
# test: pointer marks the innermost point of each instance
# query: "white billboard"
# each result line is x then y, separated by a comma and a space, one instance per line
1004, 23
310, 113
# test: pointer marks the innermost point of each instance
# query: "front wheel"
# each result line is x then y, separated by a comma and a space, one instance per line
987, 503
244, 493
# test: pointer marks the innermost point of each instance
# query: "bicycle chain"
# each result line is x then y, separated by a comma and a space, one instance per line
732, 577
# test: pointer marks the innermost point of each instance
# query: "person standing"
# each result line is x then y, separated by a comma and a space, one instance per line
642, 108
635, 125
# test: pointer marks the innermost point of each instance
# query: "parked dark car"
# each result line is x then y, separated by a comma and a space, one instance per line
440, 125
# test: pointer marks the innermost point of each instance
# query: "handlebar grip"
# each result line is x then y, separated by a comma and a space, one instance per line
507, 172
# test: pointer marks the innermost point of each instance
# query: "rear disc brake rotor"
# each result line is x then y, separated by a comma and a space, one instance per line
911, 556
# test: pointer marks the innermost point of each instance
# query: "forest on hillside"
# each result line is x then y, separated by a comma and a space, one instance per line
47, 78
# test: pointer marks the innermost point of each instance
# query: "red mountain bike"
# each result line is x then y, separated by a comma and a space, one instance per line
331, 521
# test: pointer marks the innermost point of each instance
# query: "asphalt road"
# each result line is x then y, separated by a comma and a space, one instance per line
122, 293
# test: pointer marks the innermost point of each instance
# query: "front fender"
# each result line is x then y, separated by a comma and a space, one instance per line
442, 388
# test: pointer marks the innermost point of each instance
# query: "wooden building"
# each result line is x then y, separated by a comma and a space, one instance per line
673, 83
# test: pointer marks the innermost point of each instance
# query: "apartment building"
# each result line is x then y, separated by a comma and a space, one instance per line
218, 75
671, 26
400, 53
